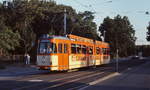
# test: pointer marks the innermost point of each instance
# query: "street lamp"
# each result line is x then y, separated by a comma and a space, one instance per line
65, 22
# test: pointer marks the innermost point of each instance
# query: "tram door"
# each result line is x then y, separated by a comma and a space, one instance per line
66, 57
88, 56
63, 56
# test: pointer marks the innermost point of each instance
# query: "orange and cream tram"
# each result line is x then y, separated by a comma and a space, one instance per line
58, 53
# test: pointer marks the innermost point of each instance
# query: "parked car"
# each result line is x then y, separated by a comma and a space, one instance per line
135, 57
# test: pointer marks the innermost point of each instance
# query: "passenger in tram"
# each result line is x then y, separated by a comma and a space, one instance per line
49, 49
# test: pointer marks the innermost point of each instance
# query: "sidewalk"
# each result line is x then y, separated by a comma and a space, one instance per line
137, 78
18, 70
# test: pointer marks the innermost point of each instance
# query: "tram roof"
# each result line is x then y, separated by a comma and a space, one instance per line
76, 38
55, 37
59, 37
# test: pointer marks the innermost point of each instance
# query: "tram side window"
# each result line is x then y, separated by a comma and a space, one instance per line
97, 50
59, 48
100, 50
104, 51
84, 49
54, 48
78, 49
90, 50
73, 48
65, 48
108, 51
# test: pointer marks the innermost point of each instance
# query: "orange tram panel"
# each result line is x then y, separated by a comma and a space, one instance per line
57, 53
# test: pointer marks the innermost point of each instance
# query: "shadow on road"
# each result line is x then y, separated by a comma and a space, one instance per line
28, 85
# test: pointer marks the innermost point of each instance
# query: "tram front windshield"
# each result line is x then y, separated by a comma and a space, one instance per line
47, 48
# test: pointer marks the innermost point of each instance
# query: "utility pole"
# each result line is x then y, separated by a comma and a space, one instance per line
117, 54
117, 57
65, 21
104, 35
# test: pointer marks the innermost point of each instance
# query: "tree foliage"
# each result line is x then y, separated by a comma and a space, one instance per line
148, 33
85, 26
9, 39
31, 19
120, 34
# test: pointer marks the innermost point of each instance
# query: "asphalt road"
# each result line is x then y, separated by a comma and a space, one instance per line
137, 78
40, 80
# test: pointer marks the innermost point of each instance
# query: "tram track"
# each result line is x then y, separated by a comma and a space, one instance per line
83, 80
70, 81
69, 77
51, 74
58, 83
30, 81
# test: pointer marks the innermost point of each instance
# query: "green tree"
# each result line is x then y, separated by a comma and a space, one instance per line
148, 33
85, 26
120, 34
32, 18
19, 16
9, 39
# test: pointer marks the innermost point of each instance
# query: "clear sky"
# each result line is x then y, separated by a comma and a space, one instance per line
134, 9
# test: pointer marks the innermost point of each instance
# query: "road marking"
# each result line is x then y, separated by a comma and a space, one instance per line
100, 80
72, 81
33, 76
35, 80
105, 78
